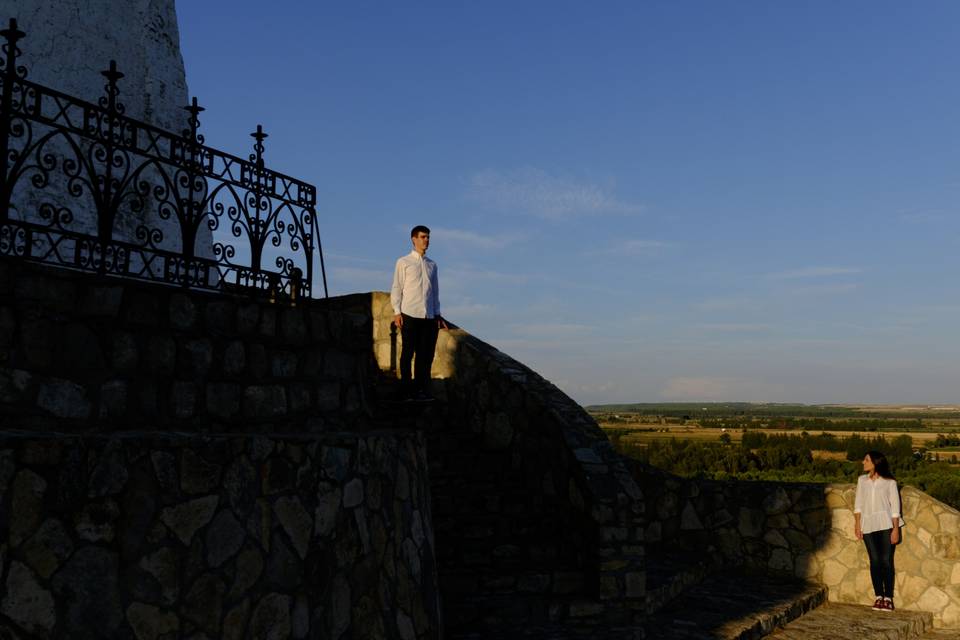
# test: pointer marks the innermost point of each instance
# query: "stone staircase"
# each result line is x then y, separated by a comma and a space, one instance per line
729, 604
512, 565
507, 558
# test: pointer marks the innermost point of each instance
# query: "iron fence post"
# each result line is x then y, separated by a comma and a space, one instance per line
12, 34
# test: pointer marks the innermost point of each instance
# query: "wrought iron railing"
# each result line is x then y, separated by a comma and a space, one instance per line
84, 186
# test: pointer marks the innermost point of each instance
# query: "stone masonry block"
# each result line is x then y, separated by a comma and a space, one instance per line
161, 354
248, 318
196, 357
101, 301
268, 323
264, 401
257, 361
14, 384
234, 358
80, 353
183, 312
293, 326
36, 346
125, 355
283, 364
8, 325
64, 399
223, 399
183, 399
51, 292
142, 308
220, 317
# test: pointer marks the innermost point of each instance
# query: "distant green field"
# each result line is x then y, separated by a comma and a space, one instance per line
693, 410
788, 443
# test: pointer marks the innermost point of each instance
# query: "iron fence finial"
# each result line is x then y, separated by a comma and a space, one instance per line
259, 135
12, 34
110, 100
194, 109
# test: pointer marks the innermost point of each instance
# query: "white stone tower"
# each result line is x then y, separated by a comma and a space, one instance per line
69, 42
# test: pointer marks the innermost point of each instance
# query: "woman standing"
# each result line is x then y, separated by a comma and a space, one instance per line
877, 519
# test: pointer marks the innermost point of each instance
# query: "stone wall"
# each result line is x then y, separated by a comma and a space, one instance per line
79, 353
176, 463
566, 458
807, 530
152, 536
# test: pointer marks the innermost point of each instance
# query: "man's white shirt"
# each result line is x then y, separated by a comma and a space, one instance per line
415, 290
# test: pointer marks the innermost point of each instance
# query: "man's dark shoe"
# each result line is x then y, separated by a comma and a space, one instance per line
423, 396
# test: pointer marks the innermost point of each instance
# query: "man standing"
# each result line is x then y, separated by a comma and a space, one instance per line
415, 297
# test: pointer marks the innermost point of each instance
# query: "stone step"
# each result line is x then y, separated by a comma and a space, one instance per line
600, 631
834, 621
466, 583
508, 514
496, 480
499, 538
670, 573
509, 557
733, 605
516, 615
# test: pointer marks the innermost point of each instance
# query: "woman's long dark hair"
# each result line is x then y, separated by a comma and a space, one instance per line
880, 464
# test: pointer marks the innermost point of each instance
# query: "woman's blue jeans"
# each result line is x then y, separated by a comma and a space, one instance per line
880, 552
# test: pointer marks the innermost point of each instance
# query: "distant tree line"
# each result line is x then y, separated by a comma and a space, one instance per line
789, 458
792, 423
946, 441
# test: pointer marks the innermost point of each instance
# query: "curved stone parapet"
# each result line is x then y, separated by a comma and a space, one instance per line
807, 530
927, 560
565, 455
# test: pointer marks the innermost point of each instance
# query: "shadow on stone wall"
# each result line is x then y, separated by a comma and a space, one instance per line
80, 353
564, 464
807, 531
176, 463
159, 535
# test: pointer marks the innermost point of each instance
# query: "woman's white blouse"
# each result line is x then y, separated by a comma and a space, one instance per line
877, 502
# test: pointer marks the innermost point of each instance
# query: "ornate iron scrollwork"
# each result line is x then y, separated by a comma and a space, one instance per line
86, 187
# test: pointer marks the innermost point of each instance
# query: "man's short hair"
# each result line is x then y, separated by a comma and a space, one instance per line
419, 229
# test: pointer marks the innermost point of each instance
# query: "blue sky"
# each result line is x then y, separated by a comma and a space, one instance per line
643, 201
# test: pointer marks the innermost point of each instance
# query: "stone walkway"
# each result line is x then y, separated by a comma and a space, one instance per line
734, 606
835, 621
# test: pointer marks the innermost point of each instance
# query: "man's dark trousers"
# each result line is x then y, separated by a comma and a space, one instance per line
420, 339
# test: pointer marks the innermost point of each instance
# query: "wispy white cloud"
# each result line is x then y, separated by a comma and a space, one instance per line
734, 327
824, 289
535, 192
631, 247
730, 389
923, 216
550, 329
354, 259
467, 310
353, 279
731, 303
464, 275
814, 272
471, 238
